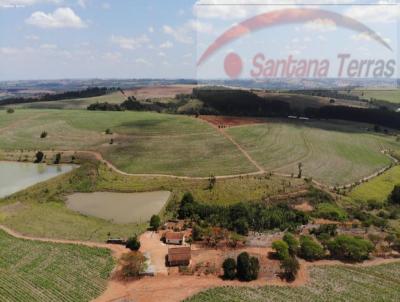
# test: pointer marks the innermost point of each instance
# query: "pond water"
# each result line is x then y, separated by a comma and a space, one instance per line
119, 207
16, 176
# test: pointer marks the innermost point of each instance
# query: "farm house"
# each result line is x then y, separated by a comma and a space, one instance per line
174, 238
178, 256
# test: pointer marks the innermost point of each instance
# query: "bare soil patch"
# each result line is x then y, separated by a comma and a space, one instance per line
231, 121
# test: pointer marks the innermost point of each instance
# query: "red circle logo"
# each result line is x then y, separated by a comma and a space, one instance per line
233, 65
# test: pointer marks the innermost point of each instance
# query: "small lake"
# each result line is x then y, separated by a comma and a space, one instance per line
119, 207
16, 176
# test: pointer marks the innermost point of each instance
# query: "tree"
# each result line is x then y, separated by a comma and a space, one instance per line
300, 167
345, 247
281, 249
292, 242
10, 110
197, 233
247, 267
57, 159
43, 134
108, 131
39, 157
132, 264
395, 195
133, 243
229, 267
155, 222
241, 226
309, 249
290, 266
211, 182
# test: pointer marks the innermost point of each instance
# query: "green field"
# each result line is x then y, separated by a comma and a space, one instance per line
113, 98
334, 153
38, 271
330, 283
144, 142
378, 188
390, 95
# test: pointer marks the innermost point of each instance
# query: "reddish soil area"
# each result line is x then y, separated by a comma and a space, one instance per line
230, 121
151, 92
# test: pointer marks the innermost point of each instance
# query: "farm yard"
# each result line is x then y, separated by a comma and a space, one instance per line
39, 271
328, 283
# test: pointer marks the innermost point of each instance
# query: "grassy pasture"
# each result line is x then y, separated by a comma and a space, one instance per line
41, 211
144, 142
329, 283
81, 103
378, 188
390, 95
38, 271
334, 153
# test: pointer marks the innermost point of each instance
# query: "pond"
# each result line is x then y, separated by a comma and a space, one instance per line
119, 207
16, 176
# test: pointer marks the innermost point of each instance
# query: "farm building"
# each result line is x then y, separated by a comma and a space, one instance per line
178, 256
174, 237
175, 225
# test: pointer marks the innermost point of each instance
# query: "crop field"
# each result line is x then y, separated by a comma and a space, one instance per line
38, 271
329, 283
143, 142
112, 98
378, 188
334, 153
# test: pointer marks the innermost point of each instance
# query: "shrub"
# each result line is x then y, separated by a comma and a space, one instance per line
395, 195
241, 226
132, 264
330, 211
229, 267
43, 134
247, 267
155, 222
292, 243
57, 159
133, 243
345, 247
108, 131
39, 157
197, 233
309, 249
290, 266
281, 249
10, 110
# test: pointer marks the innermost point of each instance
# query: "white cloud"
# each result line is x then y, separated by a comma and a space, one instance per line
82, 3
162, 54
166, 44
151, 29
112, 56
321, 25
181, 12
130, 42
48, 46
142, 61
32, 37
186, 32
375, 13
24, 3
63, 17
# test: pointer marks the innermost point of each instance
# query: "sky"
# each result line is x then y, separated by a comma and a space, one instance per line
59, 39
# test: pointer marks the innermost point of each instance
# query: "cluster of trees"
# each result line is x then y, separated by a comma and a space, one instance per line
104, 107
286, 250
86, 93
242, 217
132, 265
341, 247
246, 268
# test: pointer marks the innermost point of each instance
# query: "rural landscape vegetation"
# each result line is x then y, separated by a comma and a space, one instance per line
186, 190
